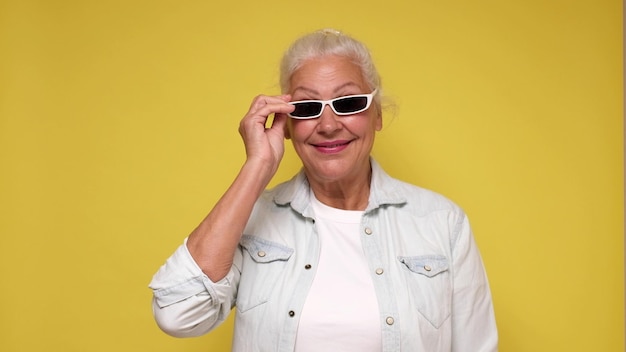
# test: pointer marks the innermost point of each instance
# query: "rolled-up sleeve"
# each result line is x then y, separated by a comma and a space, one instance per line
186, 302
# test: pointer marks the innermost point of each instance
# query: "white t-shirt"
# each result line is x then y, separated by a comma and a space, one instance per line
341, 310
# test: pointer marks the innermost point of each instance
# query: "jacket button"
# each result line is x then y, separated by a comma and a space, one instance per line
368, 231
389, 321
379, 271
307, 267
292, 313
261, 254
427, 268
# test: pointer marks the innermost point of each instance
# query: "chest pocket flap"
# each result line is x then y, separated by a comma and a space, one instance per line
263, 251
427, 265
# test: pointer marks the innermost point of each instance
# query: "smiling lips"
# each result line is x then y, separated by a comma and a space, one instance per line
332, 146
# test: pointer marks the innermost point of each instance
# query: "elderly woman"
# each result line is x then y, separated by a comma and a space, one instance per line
340, 258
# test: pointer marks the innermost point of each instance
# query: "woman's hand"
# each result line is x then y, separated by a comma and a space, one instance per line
266, 145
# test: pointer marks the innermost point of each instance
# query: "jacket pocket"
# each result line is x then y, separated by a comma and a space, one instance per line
428, 280
261, 269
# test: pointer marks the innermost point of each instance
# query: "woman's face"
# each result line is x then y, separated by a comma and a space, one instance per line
333, 148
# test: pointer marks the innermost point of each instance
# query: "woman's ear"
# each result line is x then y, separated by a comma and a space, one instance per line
379, 122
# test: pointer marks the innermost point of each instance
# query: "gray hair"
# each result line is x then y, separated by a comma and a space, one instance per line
327, 42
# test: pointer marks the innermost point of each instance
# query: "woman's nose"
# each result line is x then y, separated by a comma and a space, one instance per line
328, 121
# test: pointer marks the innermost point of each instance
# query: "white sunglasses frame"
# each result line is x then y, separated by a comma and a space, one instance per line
370, 98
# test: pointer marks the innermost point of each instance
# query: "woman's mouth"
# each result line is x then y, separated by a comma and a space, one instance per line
331, 147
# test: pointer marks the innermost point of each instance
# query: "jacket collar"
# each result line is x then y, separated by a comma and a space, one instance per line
384, 190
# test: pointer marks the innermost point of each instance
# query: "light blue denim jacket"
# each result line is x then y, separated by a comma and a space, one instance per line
430, 282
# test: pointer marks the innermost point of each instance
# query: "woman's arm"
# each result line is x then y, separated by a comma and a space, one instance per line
212, 244
194, 290
473, 321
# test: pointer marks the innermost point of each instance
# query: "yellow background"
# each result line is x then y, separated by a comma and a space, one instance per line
118, 131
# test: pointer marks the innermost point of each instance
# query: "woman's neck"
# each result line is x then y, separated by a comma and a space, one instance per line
350, 194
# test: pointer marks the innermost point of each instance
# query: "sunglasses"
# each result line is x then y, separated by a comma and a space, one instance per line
347, 105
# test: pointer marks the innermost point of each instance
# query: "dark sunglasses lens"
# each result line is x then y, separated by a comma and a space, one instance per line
307, 109
350, 104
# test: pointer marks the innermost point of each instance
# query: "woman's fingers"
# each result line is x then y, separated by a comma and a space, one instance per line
262, 107
261, 141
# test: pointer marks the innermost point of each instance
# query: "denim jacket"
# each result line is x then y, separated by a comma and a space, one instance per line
428, 275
